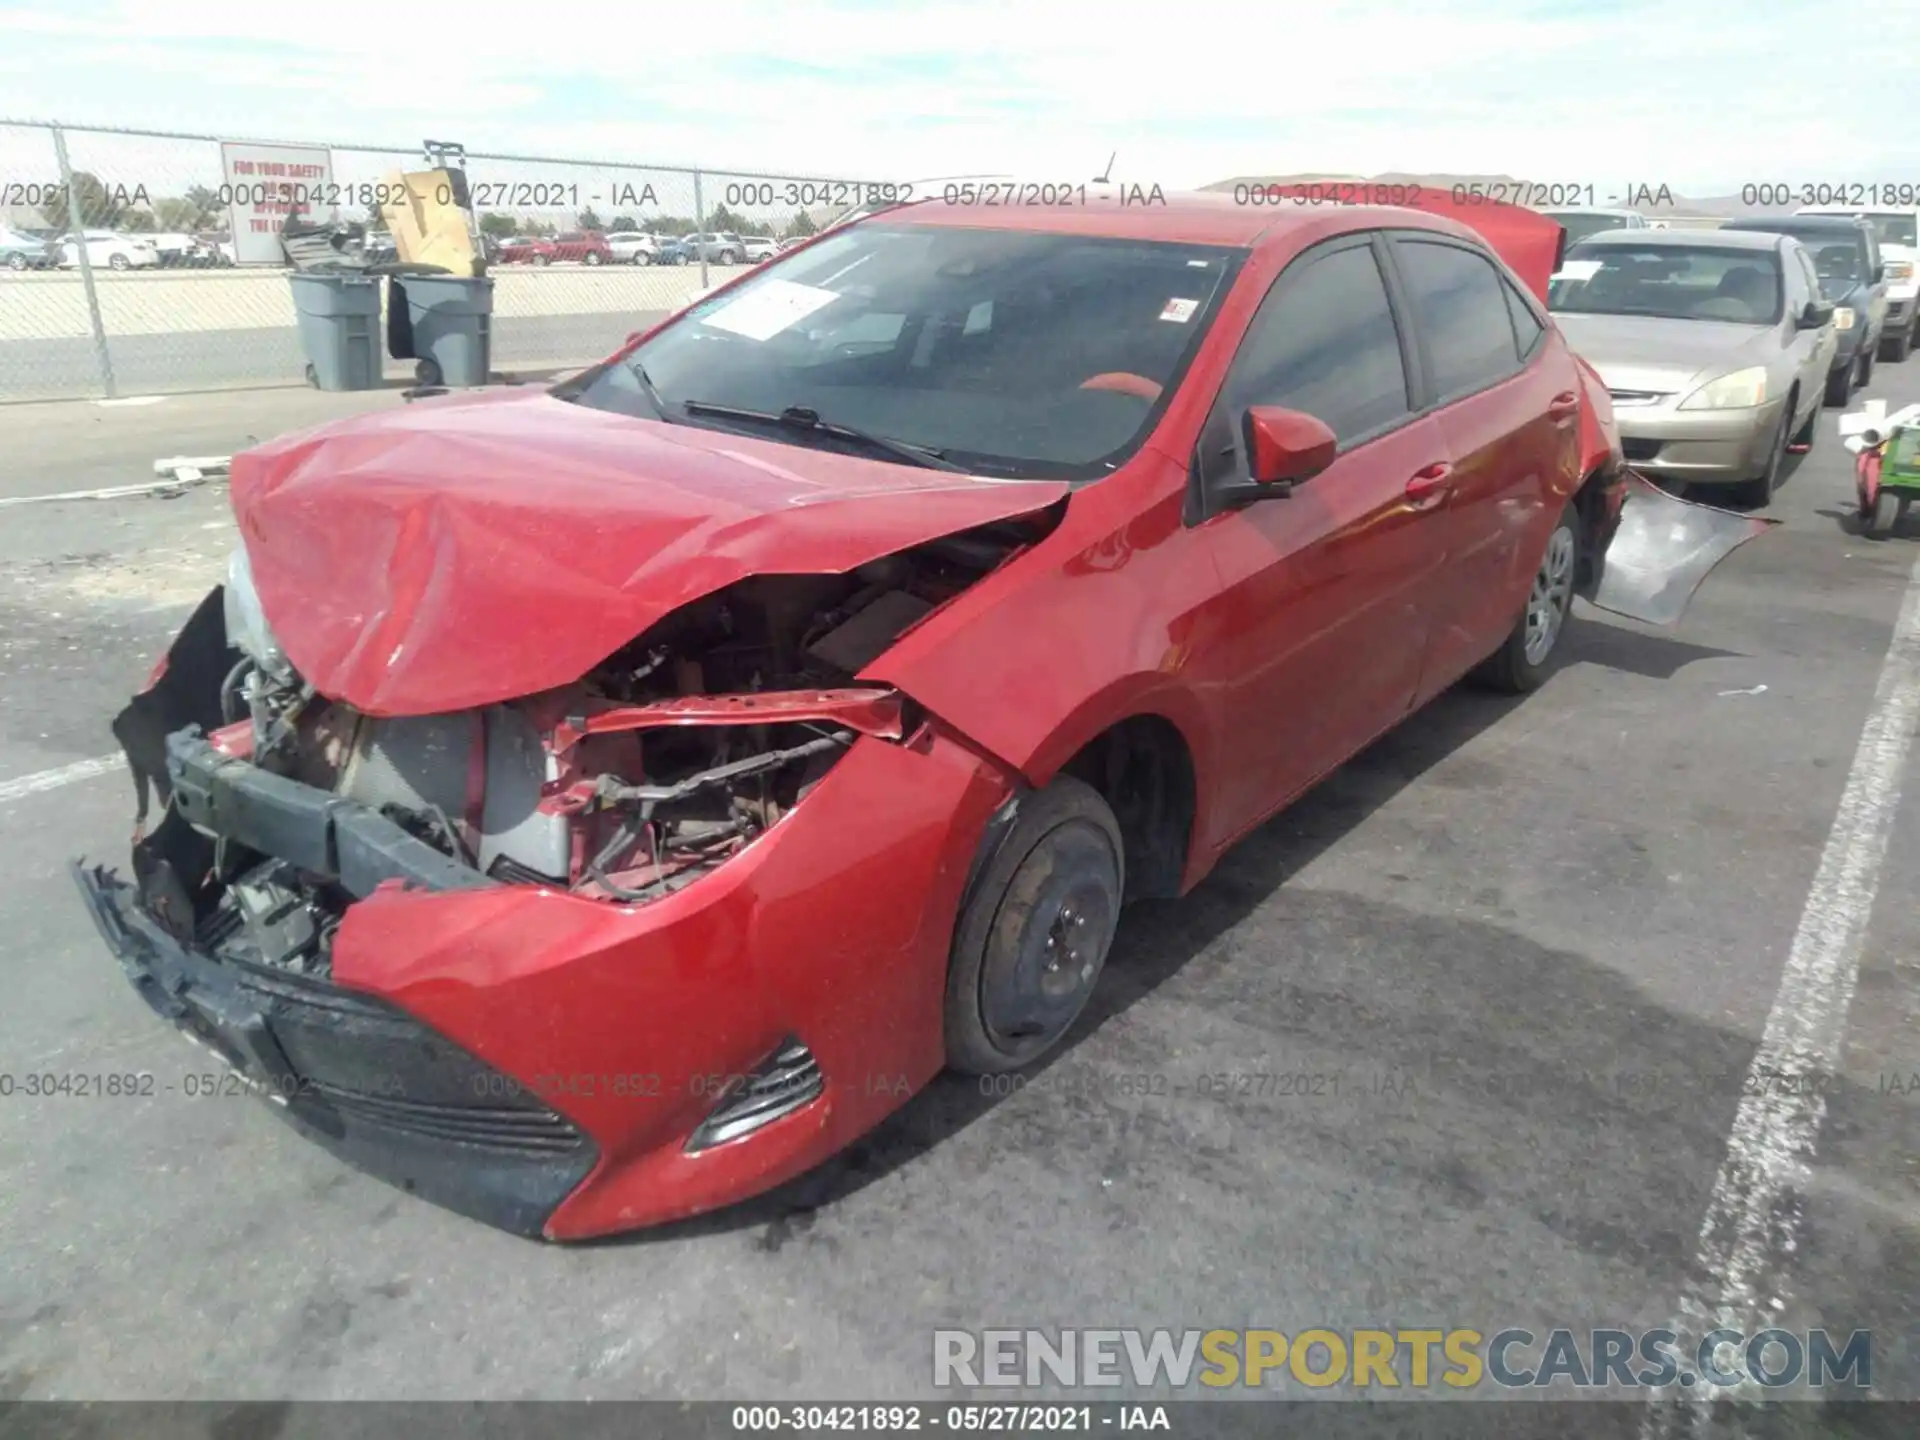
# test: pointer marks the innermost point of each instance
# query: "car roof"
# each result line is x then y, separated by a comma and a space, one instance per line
1185, 217
1787, 224
1859, 210
1687, 239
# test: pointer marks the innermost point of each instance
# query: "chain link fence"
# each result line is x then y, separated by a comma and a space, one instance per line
180, 284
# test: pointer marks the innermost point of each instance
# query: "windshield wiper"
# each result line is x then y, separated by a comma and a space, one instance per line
653, 395
808, 422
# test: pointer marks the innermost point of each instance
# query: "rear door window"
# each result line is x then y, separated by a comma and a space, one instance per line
1460, 310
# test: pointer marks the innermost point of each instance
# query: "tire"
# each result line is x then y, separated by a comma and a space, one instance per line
1867, 352
1895, 348
1034, 930
592, 257
543, 259
641, 257
728, 257
313, 377
1808, 434
1758, 492
119, 262
1524, 660
1839, 385
1880, 518
426, 374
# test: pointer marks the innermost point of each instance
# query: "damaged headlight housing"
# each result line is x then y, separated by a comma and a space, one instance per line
247, 627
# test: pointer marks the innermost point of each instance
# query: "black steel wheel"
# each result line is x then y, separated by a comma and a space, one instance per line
1034, 929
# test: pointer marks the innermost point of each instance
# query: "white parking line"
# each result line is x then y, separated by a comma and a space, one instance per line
1753, 1218
66, 775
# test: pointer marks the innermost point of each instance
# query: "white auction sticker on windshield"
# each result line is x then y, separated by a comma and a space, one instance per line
1179, 311
1578, 270
768, 308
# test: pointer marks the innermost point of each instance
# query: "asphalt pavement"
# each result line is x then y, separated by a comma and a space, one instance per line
1528, 948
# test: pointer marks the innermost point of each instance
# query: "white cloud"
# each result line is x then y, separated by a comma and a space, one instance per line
1692, 95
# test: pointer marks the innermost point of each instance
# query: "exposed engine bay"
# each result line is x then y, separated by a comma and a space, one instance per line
658, 766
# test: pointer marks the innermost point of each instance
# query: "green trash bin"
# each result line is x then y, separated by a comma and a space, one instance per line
339, 319
451, 317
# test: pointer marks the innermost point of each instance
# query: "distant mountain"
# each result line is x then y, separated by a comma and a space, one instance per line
1650, 198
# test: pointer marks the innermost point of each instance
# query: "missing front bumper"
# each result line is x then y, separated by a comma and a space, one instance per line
355, 1074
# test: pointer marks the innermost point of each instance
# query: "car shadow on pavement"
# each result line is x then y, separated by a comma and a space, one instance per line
1157, 939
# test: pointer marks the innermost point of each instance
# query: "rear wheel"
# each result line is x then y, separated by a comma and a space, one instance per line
1526, 657
592, 257
427, 374
1034, 930
543, 259
641, 257
120, 262
1883, 515
16, 261
1896, 348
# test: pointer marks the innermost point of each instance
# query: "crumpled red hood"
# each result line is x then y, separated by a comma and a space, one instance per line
459, 553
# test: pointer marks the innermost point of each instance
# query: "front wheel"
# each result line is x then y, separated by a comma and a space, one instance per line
1758, 492
1525, 658
1839, 385
1867, 353
641, 257
120, 262
1034, 930
426, 374
1896, 348
593, 257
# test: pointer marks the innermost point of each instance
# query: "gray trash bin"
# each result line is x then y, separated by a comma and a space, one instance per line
452, 320
339, 318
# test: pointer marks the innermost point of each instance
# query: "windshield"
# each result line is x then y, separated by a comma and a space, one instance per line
1579, 224
1670, 282
1004, 352
1894, 229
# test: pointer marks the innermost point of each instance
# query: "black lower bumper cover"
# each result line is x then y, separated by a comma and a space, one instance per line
355, 1074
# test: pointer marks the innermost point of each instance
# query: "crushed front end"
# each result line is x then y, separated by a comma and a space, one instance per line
587, 960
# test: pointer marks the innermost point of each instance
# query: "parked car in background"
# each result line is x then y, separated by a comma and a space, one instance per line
759, 247
27, 252
216, 249
671, 250
717, 248
527, 250
1846, 258
1579, 224
174, 247
111, 249
1715, 347
633, 247
589, 247
1898, 232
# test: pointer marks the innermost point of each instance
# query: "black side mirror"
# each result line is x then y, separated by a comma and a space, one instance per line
1817, 313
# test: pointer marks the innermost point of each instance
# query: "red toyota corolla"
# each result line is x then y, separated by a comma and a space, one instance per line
588, 808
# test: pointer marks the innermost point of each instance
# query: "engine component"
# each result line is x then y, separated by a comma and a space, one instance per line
861, 640
512, 827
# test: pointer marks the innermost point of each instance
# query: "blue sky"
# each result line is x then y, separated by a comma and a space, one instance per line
1702, 97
